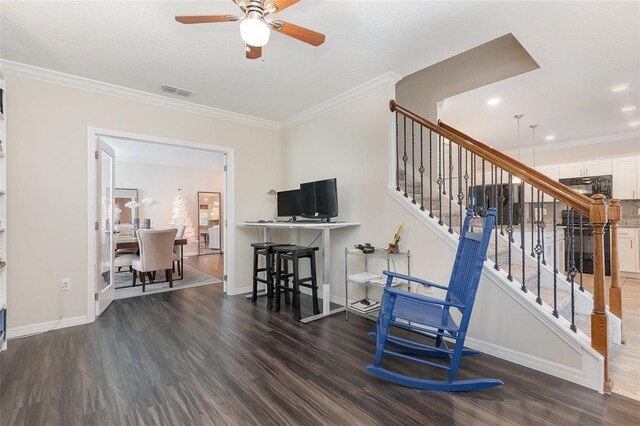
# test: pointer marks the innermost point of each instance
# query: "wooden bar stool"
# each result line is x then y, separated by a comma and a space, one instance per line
293, 254
266, 250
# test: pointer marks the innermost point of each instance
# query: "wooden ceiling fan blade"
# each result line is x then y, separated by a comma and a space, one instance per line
254, 52
279, 5
205, 19
300, 33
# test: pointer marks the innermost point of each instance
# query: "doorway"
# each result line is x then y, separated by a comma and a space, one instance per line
209, 207
132, 218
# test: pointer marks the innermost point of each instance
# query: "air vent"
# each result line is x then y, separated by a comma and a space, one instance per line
176, 90
168, 89
184, 92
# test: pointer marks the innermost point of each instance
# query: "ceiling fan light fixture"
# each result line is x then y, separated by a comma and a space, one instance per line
254, 31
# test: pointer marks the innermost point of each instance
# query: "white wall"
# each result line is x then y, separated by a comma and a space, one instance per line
47, 185
161, 182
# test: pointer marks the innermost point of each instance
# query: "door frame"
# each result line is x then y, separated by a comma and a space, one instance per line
228, 241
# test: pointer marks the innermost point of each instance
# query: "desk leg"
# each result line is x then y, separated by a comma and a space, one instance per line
326, 279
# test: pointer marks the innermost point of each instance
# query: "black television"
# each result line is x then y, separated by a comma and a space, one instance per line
289, 203
319, 199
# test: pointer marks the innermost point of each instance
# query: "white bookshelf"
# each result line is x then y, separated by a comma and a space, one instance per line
3, 213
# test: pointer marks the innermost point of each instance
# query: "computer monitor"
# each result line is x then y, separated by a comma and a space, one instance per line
319, 199
289, 203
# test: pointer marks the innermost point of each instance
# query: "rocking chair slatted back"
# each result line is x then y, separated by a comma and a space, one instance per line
474, 241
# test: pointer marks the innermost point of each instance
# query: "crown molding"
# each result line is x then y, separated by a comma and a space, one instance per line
10, 67
30, 71
380, 82
577, 143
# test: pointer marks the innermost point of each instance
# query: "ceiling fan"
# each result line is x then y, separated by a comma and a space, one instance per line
255, 28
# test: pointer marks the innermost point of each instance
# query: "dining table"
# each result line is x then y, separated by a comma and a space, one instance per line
131, 243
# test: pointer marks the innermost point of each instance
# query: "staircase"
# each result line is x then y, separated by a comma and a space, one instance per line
443, 172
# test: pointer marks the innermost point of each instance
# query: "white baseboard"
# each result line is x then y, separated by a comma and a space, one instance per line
539, 364
25, 330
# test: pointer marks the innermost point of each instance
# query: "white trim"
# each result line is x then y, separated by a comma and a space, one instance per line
42, 327
77, 82
385, 80
228, 205
556, 146
558, 370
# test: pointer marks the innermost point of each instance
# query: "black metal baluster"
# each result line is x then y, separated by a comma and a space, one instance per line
404, 157
572, 270
501, 204
538, 250
532, 254
522, 226
473, 183
450, 196
567, 252
581, 252
555, 260
499, 207
510, 225
440, 181
484, 192
542, 226
460, 193
413, 160
421, 170
430, 173
397, 155
466, 176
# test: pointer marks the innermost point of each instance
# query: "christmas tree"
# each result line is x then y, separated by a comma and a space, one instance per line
180, 216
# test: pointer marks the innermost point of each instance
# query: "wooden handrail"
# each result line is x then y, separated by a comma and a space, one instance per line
525, 173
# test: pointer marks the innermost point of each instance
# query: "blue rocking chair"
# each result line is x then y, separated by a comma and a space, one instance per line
430, 317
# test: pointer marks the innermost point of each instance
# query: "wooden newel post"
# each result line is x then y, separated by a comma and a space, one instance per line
615, 291
599, 328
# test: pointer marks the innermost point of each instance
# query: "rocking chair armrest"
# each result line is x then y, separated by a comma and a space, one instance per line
413, 279
403, 293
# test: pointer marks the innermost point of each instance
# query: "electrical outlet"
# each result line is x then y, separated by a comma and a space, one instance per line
65, 284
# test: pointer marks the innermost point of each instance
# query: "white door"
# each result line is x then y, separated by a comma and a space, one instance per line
628, 254
105, 252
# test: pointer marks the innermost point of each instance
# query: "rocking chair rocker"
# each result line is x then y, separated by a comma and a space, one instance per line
430, 317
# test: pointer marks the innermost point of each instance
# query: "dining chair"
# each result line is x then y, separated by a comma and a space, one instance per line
176, 256
156, 254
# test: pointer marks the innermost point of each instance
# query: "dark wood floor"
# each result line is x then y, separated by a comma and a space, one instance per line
195, 356
211, 264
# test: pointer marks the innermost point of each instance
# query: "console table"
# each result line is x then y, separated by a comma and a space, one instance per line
325, 254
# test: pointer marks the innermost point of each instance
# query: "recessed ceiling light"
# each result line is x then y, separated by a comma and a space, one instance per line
494, 101
550, 137
634, 123
628, 108
620, 87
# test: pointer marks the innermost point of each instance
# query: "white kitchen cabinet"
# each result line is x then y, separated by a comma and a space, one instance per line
570, 170
597, 167
625, 178
628, 249
585, 168
550, 171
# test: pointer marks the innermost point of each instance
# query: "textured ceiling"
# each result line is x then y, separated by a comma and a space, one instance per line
582, 48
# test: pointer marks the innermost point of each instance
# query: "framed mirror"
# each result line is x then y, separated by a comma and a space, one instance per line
123, 213
209, 208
